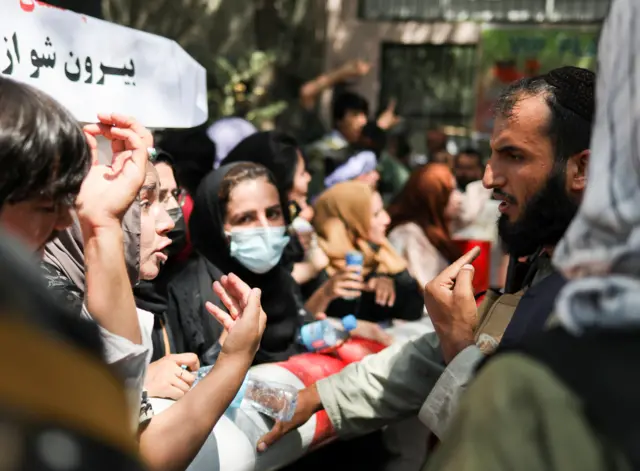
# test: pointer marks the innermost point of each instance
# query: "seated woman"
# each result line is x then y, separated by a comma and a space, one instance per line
280, 154
238, 225
350, 216
421, 217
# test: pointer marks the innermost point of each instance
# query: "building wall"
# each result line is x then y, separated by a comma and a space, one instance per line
349, 37
435, 22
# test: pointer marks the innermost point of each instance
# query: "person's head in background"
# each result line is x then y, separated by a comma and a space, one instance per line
351, 216
281, 155
193, 152
358, 207
436, 142
468, 167
44, 157
169, 188
361, 167
431, 200
540, 150
239, 214
169, 196
227, 133
442, 157
349, 114
155, 224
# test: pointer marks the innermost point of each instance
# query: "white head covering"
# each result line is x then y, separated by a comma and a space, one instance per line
226, 133
600, 251
360, 163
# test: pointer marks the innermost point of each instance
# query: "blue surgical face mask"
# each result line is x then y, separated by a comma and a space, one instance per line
258, 249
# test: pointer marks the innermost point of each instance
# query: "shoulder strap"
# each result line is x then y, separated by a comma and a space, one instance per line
495, 314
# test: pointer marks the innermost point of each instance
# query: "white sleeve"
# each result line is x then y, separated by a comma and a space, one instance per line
129, 360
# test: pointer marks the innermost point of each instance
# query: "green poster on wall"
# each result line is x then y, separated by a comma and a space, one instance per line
511, 53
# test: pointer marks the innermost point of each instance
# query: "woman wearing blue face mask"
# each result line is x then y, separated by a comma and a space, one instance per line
238, 226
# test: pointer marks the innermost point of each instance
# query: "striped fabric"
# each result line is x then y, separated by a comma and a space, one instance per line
600, 251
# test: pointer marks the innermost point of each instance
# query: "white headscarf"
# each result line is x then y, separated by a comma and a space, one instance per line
600, 251
358, 164
227, 133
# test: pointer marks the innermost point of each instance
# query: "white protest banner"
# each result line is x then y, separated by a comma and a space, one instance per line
92, 66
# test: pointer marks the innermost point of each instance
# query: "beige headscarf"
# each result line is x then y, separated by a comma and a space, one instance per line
66, 252
342, 220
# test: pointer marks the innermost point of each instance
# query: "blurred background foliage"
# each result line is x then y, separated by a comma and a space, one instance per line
256, 53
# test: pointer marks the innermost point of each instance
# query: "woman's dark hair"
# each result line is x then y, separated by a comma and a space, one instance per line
43, 151
244, 171
193, 154
348, 101
277, 151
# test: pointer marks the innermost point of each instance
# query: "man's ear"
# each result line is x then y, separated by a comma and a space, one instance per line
577, 171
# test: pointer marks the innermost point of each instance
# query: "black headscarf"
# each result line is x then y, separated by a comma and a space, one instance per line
280, 298
278, 152
273, 149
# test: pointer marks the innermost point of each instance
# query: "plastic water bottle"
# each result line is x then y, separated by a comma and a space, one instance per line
321, 335
354, 258
276, 400
200, 374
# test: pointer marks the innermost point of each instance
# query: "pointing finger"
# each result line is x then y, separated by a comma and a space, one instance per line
452, 270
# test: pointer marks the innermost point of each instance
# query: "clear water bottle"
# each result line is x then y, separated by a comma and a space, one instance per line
321, 335
276, 400
200, 374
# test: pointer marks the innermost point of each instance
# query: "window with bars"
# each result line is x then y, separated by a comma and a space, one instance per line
433, 84
485, 10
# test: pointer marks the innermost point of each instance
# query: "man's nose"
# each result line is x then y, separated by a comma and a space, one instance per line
491, 179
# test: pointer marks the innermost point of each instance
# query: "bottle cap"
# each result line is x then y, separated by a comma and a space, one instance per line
240, 394
349, 322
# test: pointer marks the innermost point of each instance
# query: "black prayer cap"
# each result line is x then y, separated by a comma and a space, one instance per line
575, 89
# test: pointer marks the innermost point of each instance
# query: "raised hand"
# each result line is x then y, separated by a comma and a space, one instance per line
451, 305
109, 190
245, 320
389, 118
356, 68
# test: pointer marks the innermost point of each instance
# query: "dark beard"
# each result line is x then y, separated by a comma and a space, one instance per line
545, 219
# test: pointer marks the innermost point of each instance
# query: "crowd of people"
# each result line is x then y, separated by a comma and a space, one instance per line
216, 247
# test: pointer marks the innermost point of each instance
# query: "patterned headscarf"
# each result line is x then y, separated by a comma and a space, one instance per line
600, 251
